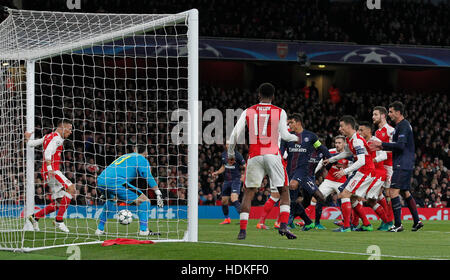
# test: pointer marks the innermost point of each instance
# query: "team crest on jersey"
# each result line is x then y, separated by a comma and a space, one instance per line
306, 139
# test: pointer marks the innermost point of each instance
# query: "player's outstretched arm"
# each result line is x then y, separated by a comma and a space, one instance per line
380, 156
345, 154
357, 165
319, 166
220, 171
145, 172
33, 142
283, 129
237, 131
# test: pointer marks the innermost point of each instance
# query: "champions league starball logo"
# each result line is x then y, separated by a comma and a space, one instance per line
372, 55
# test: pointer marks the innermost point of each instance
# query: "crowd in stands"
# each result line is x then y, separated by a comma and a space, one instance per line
420, 22
428, 114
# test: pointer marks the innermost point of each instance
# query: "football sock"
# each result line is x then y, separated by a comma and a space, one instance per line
243, 216
284, 215
319, 207
390, 211
355, 218
143, 209
237, 205
411, 202
225, 211
397, 208
387, 209
380, 212
65, 201
47, 210
109, 206
346, 207
359, 209
267, 208
300, 211
311, 210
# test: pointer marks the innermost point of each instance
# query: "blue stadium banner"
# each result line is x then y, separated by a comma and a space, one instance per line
317, 52
93, 212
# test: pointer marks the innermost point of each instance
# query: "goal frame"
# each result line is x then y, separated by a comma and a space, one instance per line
31, 56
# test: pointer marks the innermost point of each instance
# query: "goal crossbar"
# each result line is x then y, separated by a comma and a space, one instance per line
17, 51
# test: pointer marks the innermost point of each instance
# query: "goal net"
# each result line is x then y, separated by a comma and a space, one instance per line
121, 80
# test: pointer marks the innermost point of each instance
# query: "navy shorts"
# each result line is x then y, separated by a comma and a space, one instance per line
230, 187
306, 183
401, 179
306, 189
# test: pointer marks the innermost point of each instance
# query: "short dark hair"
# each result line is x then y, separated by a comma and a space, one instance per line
366, 124
398, 106
140, 148
297, 117
381, 109
63, 121
266, 90
349, 120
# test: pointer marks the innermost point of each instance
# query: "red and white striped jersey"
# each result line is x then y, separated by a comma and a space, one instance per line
340, 164
358, 145
266, 124
53, 146
385, 134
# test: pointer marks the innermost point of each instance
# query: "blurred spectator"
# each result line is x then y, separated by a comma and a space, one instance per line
334, 94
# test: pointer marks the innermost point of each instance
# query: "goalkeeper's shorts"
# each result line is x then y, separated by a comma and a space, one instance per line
126, 192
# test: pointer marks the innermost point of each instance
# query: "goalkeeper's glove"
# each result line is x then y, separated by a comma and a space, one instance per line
159, 200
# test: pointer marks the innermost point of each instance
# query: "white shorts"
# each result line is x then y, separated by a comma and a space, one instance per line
58, 185
389, 171
359, 184
273, 188
259, 166
328, 187
375, 188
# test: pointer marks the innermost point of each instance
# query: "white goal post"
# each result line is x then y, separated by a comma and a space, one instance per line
119, 79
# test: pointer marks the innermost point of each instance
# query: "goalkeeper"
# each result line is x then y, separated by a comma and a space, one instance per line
114, 182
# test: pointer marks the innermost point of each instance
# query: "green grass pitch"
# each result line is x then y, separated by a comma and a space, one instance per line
219, 242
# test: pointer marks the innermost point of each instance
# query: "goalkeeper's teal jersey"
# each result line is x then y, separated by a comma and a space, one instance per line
125, 169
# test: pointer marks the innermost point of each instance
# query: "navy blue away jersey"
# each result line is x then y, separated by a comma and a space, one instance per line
301, 152
402, 146
232, 172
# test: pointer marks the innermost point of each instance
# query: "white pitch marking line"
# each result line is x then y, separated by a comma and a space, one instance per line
319, 250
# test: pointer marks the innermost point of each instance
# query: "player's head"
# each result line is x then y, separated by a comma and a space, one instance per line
295, 122
365, 130
266, 92
396, 111
347, 125
379, 115
64, 128
141, 149
339, 143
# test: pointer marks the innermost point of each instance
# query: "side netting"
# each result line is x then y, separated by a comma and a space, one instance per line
121, 80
